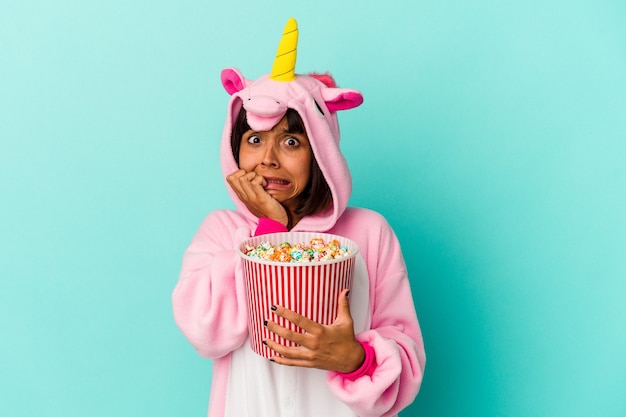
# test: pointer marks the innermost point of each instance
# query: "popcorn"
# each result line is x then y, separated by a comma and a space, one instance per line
317, 250
278, 271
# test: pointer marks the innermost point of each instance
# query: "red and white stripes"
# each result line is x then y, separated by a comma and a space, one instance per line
310, 289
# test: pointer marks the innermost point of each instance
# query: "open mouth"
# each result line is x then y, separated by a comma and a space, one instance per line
276, 183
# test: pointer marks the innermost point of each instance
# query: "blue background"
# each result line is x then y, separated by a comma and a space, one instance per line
492, 138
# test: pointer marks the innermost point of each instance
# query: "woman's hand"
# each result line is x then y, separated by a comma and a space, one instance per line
331, 347
249, 187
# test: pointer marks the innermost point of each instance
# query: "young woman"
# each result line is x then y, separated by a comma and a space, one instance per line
281, 159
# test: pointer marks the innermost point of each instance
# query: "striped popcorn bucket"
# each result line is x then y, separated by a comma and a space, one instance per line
311, 289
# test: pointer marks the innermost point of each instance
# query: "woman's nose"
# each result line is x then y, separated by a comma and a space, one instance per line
270, 158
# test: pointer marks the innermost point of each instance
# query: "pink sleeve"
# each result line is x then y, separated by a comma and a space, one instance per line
394, 333
208, 301
267, 226
368, 366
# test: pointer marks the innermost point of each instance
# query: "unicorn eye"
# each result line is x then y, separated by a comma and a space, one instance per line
318, 108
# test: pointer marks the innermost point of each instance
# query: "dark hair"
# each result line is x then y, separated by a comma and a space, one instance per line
316, 196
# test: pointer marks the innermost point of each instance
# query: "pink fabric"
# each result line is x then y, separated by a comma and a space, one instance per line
345, 100
267, 226
211, 287
325, 78
232, 80
368, 366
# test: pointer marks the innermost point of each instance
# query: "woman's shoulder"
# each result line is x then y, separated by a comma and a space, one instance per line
224, 215
224, 220
363, 221
361, 214
368, 228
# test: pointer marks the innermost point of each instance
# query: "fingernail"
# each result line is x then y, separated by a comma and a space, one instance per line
264, 322
348, 293
272, 360
265, 342
273, 308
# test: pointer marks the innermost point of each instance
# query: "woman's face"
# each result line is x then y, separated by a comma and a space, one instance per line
283, 158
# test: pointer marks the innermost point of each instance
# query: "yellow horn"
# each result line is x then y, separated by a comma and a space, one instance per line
284, 68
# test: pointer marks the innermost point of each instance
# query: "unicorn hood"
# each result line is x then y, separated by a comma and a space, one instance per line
266, 101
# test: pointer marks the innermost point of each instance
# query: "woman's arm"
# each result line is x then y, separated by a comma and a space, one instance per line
209, 299
394, 335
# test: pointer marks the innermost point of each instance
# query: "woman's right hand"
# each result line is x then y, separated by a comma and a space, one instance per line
249, 187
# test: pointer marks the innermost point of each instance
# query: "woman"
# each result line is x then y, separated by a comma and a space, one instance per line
281, 159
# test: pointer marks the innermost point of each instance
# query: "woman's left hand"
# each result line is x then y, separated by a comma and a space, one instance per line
331, 347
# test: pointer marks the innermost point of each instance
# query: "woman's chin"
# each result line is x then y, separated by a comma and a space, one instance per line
277, 194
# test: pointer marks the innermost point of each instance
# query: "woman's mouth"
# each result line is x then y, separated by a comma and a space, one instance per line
276, 183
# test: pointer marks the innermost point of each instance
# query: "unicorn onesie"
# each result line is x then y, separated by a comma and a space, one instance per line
209, 302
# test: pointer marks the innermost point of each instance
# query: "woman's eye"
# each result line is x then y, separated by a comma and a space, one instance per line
292, 142
254, 139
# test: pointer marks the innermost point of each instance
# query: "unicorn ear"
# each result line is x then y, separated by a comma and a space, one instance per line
233, 81
341, 98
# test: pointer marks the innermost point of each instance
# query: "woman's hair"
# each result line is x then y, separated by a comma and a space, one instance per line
316, 196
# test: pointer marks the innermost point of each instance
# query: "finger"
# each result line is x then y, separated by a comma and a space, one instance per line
292, 353
343, 308
253, 184
260, 180
291, 356
248, 185
236, 175
240, 175
299, 320
234, 180
249, 176
286, 333
284, 357
234, 185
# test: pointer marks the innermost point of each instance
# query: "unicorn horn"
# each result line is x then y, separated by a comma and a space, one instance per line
284, 68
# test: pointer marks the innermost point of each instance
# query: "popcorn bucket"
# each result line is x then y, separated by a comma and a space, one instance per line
309, 288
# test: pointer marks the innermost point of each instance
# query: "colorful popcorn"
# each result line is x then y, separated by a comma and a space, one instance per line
316, 250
